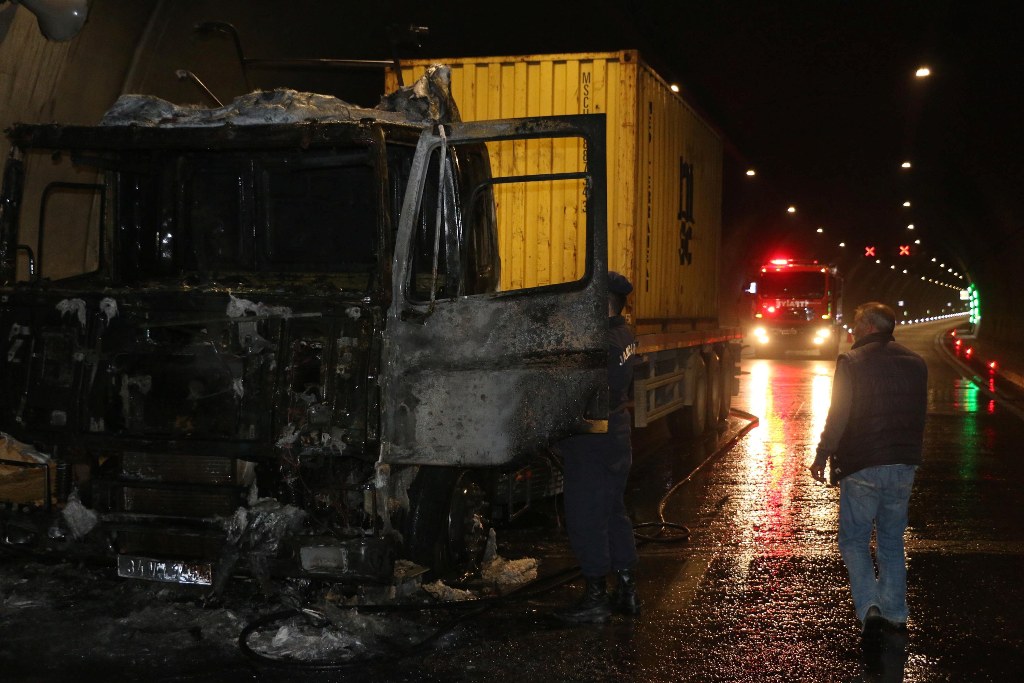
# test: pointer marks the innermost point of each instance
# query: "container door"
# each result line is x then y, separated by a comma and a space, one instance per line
481, 378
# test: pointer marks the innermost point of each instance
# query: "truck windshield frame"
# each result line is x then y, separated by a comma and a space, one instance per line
792, 284
208, 205
246, 213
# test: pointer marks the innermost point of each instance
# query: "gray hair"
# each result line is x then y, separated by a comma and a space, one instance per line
876, 314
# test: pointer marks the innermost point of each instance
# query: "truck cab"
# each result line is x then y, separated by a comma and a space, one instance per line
280, 346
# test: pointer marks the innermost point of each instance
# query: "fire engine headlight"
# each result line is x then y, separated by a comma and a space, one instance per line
823, 333
761, 334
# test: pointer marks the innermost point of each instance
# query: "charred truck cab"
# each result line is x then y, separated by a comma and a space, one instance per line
280, 346
797, 307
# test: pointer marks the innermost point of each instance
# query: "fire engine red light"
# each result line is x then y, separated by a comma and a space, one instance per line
992, 366
771, 309
969, 351
958, 343
779, 261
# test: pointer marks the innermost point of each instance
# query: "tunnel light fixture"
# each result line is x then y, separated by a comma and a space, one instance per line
905, 164
923, 72
751, 172
58, 20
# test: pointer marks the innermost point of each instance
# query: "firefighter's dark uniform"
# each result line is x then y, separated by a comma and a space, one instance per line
596, 470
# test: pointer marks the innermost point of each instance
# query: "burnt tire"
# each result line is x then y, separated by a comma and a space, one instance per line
446, 526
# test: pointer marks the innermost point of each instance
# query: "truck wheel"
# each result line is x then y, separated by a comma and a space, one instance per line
446, 528
725, 377
692, 420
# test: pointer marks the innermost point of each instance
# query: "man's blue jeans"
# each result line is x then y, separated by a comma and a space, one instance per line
876, 497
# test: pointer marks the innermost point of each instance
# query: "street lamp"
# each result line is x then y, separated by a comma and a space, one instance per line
58, 20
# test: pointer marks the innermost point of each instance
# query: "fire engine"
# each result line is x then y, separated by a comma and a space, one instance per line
797, 306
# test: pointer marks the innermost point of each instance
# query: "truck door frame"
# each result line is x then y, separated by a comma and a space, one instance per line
487, 379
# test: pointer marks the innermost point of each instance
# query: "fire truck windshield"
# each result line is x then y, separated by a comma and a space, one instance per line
788, 284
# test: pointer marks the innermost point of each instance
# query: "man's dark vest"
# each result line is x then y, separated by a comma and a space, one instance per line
890, 394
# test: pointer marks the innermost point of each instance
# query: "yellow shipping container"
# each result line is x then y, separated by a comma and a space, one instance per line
664, 177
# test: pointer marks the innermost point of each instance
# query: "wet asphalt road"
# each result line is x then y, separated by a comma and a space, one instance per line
757, 593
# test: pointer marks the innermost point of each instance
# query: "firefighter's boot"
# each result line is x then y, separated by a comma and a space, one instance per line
592, 608
625, 599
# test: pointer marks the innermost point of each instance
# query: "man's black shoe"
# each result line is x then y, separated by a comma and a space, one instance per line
625, 599
873, 621
592, 608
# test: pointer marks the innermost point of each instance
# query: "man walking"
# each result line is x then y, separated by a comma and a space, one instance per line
873, 440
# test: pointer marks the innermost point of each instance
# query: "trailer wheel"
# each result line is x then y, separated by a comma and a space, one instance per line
692, 421
446, 527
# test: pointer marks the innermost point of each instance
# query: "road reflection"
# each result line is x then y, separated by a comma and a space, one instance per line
775, 508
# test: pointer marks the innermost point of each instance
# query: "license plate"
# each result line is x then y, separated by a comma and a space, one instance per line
791, 330
168, 571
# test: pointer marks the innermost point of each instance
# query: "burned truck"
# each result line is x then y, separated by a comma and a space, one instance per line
269, 338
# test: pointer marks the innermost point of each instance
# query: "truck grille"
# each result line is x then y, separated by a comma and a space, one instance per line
187, 470
176, 502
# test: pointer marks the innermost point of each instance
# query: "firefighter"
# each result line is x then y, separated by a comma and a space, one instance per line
596, 470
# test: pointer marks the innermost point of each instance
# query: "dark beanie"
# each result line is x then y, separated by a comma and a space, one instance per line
618, 284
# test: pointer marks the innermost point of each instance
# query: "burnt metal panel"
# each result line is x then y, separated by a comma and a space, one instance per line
487, 379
